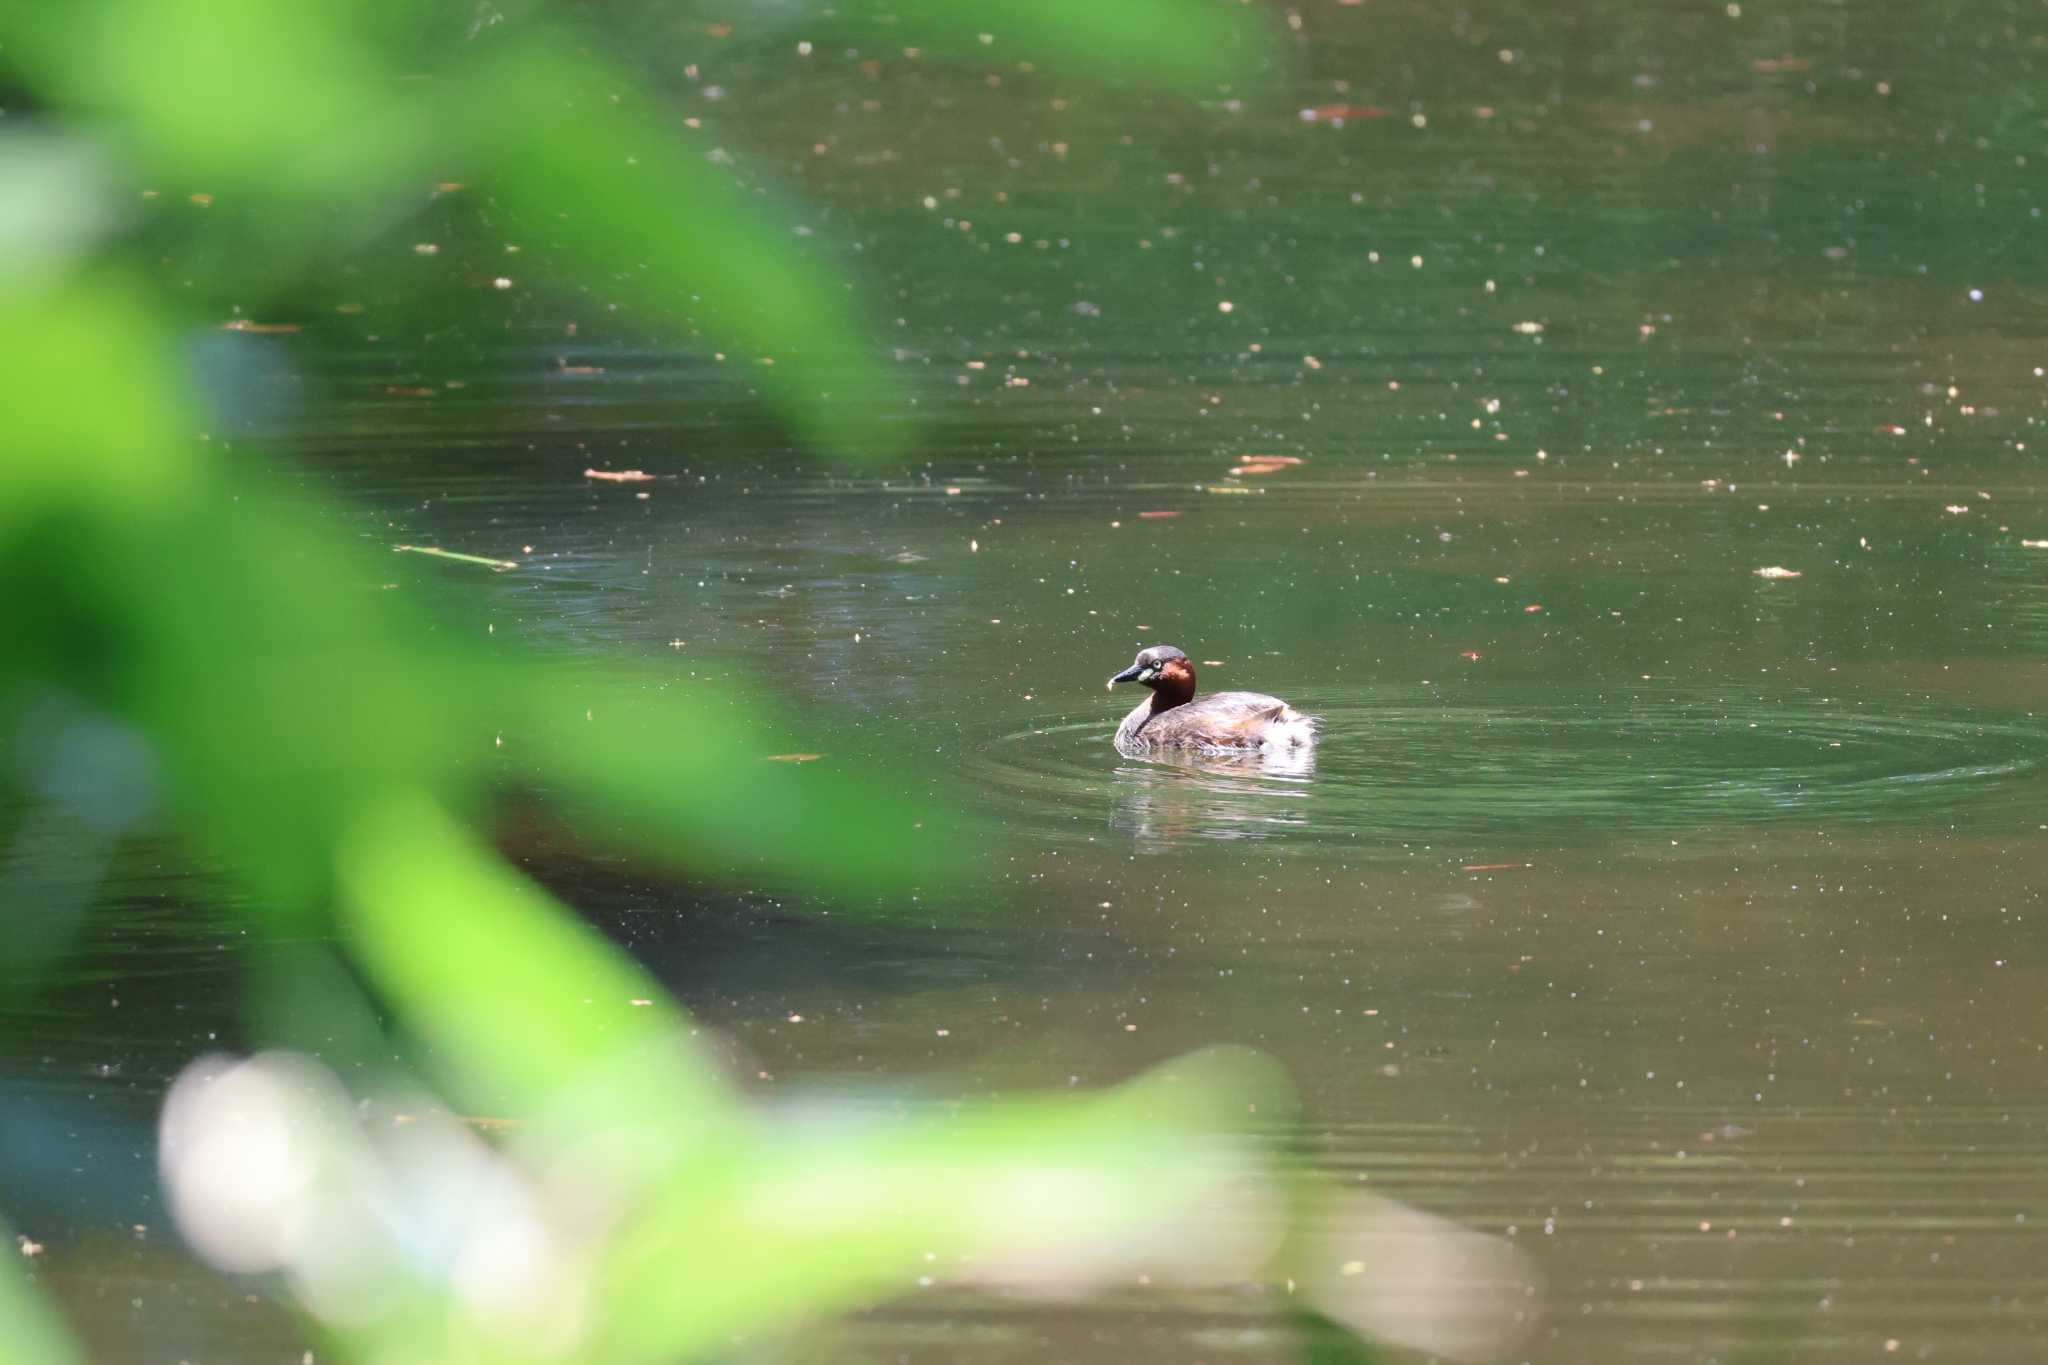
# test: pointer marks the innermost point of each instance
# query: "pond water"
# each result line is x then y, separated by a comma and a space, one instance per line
1660, 538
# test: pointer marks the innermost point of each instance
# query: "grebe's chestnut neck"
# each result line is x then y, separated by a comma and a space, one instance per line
1167, 671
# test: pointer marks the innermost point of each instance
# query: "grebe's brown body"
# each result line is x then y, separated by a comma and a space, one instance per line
1171, 718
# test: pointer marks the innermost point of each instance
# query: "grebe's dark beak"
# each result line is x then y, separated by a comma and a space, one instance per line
1135, 673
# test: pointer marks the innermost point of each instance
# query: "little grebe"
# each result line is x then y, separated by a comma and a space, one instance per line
1173, 719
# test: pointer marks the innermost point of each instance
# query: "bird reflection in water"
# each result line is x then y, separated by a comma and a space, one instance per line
1169, 796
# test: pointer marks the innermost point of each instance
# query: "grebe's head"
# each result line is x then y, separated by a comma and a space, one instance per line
1157, 662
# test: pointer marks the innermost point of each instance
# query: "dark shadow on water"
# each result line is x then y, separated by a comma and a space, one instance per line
756, 954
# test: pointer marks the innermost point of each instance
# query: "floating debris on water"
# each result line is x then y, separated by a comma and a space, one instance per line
1264, 464
1337, 115
436, 552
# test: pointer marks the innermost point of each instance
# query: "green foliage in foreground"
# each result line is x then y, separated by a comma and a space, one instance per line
322, 742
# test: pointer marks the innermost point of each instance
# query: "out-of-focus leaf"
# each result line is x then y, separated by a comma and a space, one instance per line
1186, 46
689, 767
1324, 1342
593, 168
125, 446
33, 1335
326, 741
285, 694
1397, 1274
284, 698
225, 93
526, 1003
54, 206
1063, 1193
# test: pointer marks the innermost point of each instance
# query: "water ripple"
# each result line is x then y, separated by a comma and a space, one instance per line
1505, 767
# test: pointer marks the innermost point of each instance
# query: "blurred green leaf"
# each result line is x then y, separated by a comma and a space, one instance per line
285, 694
1324, 1342
251, 105
125, 448
32, 1333
701, 778
591, 166
328, 742
286, 697
526, 1002
225, 94
1064, 1189
57, 206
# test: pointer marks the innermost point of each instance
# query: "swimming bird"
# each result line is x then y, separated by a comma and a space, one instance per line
1172, 719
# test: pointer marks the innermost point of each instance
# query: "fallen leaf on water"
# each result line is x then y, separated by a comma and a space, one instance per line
1776, 571
619, 475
